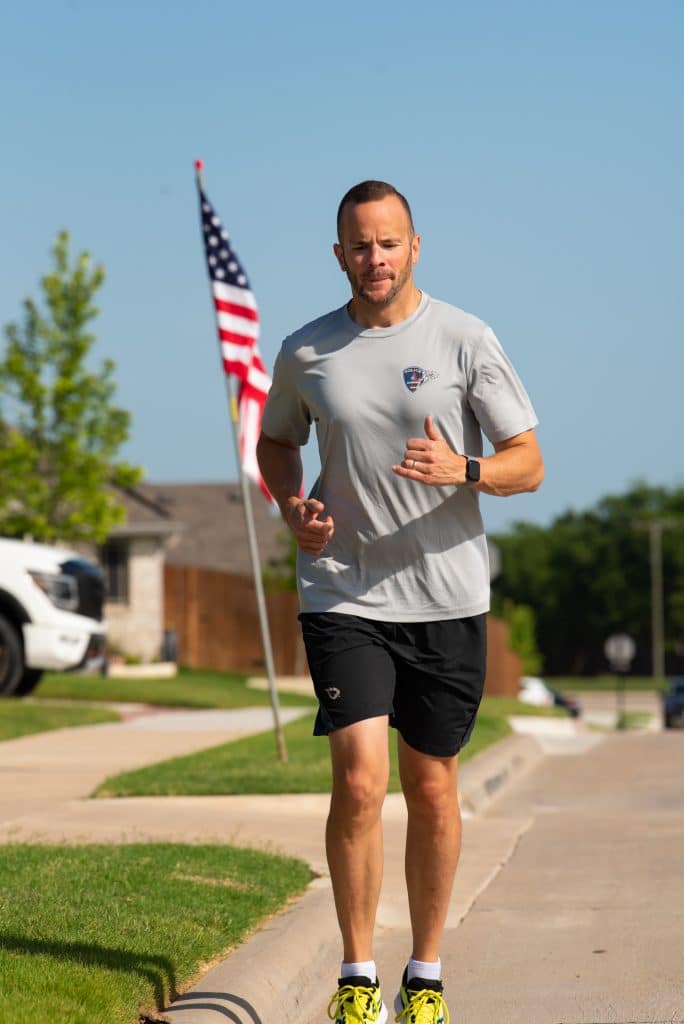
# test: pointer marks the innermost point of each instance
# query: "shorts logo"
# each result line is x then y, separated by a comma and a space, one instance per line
414, 376
333, 693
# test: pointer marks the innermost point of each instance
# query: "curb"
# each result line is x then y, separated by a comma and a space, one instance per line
304, 933
486, 775
256, 983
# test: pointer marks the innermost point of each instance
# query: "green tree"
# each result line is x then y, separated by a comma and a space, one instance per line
522, 635
587, 575
60, 431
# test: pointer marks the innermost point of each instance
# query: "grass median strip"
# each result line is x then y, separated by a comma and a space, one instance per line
250, 766
91, 933
22, 718
191, 688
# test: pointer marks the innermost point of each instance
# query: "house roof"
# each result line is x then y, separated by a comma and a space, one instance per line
207, 521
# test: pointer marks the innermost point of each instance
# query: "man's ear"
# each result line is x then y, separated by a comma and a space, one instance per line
415, 249
339, 254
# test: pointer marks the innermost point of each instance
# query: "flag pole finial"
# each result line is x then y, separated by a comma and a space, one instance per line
199, 171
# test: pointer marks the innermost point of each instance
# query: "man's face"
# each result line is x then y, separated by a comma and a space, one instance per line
377, 250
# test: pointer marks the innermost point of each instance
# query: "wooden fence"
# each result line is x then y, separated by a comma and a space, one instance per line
215, 618
504, 667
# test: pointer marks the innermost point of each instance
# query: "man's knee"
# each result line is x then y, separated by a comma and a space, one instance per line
429, 783
361, 789
432, 795
360, 768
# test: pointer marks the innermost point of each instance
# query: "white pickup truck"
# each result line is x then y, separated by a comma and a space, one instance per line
50, 614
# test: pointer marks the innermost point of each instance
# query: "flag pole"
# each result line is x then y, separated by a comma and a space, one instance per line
252, 543
256, 570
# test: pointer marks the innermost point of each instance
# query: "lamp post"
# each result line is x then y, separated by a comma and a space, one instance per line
655, 529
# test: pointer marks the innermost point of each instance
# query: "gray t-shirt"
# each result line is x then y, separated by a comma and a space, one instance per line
402, 551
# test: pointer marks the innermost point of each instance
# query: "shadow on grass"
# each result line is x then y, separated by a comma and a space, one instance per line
157, 970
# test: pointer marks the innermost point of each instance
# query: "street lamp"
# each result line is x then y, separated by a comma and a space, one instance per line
655, 529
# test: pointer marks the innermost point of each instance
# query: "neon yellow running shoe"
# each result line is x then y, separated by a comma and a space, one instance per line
357, 1001
421, 1002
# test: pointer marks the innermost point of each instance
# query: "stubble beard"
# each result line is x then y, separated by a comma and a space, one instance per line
359, 290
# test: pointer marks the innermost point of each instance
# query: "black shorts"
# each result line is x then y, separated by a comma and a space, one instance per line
427, 676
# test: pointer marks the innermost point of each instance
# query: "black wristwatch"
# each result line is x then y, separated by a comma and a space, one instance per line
472, 470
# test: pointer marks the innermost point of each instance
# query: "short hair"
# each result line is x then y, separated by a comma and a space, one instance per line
371, 192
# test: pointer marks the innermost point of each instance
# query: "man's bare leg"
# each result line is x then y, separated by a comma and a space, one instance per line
360, 765
433, 843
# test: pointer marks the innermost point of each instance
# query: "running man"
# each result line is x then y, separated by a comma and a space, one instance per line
392, 568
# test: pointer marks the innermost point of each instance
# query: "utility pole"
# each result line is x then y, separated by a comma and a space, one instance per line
655, 529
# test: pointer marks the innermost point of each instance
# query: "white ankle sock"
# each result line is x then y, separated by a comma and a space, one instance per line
426, 971
365, 969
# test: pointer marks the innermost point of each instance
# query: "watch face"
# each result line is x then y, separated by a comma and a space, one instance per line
473, 470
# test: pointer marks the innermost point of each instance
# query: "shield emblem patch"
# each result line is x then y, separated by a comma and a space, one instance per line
413, 377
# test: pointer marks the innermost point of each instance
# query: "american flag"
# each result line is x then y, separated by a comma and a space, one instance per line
237, 319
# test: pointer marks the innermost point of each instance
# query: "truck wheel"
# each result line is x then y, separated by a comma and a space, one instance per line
28, 682
11, 658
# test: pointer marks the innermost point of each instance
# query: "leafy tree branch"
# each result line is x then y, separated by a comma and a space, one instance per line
60, 429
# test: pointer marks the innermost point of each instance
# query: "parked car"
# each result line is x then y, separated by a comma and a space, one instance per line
571, 705
673, 704
535, 691
50, 614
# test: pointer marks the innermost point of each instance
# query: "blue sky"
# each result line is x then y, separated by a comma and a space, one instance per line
540, 145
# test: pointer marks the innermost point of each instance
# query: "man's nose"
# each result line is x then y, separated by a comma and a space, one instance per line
375, 255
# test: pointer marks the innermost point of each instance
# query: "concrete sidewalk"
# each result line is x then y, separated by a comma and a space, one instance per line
585, 923
567, 907
48, 775
43, 770
514, 798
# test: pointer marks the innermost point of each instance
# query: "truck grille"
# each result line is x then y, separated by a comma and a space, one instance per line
90, 586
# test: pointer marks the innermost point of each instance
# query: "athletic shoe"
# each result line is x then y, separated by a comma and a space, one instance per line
357, 1001
421, 1002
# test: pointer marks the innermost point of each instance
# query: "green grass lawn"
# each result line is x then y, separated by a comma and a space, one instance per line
250, 766
20, 718
578, 684
206, 689
191, 688
88, 934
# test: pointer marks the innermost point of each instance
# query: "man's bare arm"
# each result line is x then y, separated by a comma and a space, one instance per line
515, 466
280, 463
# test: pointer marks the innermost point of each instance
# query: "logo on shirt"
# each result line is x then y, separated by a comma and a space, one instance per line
414, 376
